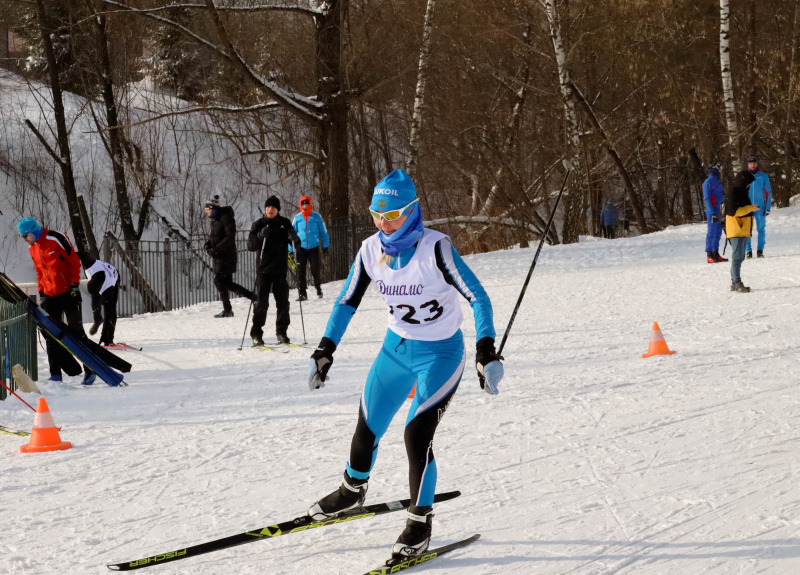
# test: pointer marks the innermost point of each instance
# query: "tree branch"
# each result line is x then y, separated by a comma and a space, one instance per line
59, 160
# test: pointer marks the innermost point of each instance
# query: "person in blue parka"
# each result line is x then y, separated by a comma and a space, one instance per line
312, 232
713, 197
609, 218
761, 196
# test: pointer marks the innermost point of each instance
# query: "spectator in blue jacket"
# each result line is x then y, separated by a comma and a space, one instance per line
312, 231
761, 196
609, 218
713, 197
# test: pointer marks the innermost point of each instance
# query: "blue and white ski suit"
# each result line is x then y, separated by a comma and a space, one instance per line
713, 197
761, 196
424, 345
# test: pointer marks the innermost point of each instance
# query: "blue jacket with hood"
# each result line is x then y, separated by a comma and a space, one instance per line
712, 192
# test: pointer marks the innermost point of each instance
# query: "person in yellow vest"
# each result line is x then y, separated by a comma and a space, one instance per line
739, 225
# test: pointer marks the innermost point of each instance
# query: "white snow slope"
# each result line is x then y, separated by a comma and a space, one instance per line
591, 461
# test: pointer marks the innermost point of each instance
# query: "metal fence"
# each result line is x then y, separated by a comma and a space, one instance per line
173, 274
17, 343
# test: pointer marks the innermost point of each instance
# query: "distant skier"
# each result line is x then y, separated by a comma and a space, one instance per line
420, 277
221, 246
761, 196
609, 218
739, 225
270, 237
58, 274
713, 198
312, 231
103, 287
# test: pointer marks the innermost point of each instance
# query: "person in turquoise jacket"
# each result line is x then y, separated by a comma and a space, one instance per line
312, 231
761, 196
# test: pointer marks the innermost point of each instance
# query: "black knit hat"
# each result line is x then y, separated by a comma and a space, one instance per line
274, 202
752, 158
213, 202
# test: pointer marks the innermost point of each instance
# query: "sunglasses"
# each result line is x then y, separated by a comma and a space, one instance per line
392, 215
303, 203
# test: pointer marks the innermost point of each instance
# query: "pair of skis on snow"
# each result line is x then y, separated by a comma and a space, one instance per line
281, 347
304, 523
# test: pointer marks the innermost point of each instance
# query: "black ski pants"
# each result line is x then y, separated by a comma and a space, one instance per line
104, 311
312, 257
224, 284
279, 287
66, 308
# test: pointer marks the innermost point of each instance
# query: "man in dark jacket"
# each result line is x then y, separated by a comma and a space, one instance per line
270, 237
221, 246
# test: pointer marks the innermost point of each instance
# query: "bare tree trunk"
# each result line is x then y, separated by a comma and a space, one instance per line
112, 122
572, 195
419, 98
752, 99
786, 188
62, 135
727, 81
334, 177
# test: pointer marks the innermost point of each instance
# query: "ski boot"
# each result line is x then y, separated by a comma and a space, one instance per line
283, 338
719, 257
748, 256
740, 287
225, 313
88, 378
257, 341
760, 254
302, 297
350, 494
710, 258
55, 377
416, 537
319, 293
95, 326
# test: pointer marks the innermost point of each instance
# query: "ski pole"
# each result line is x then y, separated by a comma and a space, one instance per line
18, 397
255, 287
569, 167
297, 281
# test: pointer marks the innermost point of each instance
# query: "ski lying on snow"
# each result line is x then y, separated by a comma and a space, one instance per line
296, 525
395, 566
270, 348
4, 429
298, 345
122, 346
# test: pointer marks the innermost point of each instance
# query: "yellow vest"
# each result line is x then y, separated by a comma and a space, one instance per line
740, 225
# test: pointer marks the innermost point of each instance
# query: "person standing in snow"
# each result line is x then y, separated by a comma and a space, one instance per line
270, 237
221, 246
58, 274
420, 277
312, 231
713, 197
103, 287
609, 218
739, 225
761, 196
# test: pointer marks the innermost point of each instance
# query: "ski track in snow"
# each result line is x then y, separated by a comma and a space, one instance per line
591, 461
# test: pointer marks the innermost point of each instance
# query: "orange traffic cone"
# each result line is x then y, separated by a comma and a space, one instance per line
658, 346
44, 435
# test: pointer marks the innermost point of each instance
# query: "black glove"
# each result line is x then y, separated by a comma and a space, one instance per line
211, 251
766, 213
714, 217
324, 251
320, 363
486, 354
264, 232
75, 290
206, 245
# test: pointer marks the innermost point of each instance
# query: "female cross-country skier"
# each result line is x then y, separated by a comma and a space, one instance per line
420, 277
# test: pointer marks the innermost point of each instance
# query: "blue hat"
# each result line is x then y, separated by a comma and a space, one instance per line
393, 192
29, 226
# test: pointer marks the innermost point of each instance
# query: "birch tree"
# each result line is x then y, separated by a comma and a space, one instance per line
419, 98
727, 80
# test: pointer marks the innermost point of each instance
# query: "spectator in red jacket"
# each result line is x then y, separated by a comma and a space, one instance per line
58, 273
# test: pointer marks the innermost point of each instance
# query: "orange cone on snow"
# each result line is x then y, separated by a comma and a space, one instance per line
44, 435
658, 346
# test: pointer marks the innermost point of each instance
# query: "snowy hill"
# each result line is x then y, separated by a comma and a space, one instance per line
591, 461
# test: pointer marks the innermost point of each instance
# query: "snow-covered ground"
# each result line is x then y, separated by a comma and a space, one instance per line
592, 460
